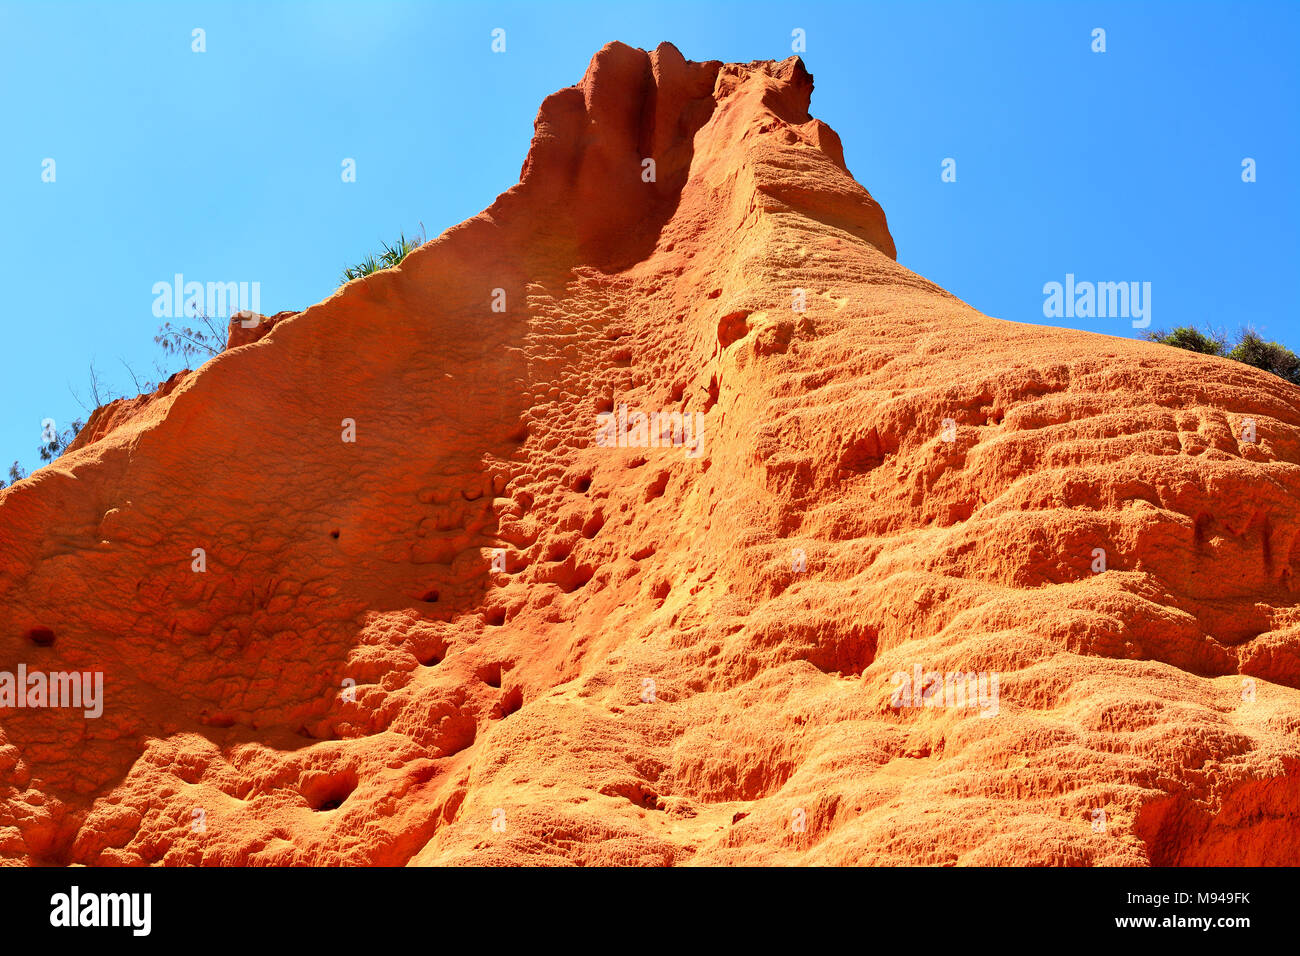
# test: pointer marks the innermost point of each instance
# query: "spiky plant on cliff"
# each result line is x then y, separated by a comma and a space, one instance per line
387, 258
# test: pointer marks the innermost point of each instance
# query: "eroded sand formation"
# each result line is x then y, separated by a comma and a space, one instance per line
690, 655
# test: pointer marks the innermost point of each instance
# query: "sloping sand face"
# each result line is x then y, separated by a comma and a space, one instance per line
656, 515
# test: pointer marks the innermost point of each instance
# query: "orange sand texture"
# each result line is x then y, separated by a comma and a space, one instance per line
654, 678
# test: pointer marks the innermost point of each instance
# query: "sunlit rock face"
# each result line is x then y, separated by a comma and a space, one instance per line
657, 515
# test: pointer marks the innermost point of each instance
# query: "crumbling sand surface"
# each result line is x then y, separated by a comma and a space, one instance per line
692, 654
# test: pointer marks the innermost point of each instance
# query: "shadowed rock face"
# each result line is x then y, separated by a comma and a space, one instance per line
485, 632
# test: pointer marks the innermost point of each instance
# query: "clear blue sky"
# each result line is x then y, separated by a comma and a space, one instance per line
226, 165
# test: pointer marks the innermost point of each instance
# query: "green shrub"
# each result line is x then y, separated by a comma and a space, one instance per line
59, 442
1269, 356
389, 257
16, 473
1192, 339
1250, 349
206, 339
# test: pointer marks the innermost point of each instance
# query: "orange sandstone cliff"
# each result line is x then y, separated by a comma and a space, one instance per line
485, 631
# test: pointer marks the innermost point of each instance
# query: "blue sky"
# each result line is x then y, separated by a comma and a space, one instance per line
225, 165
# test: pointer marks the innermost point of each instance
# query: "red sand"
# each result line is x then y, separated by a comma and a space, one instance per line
649, 681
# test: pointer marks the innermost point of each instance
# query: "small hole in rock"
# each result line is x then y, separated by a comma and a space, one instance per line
511, 702
325, 792
581, 575
657, 487
334, 533
431, 654
41, 636
593, 525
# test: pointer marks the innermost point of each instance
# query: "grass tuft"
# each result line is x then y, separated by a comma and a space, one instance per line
389, 257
